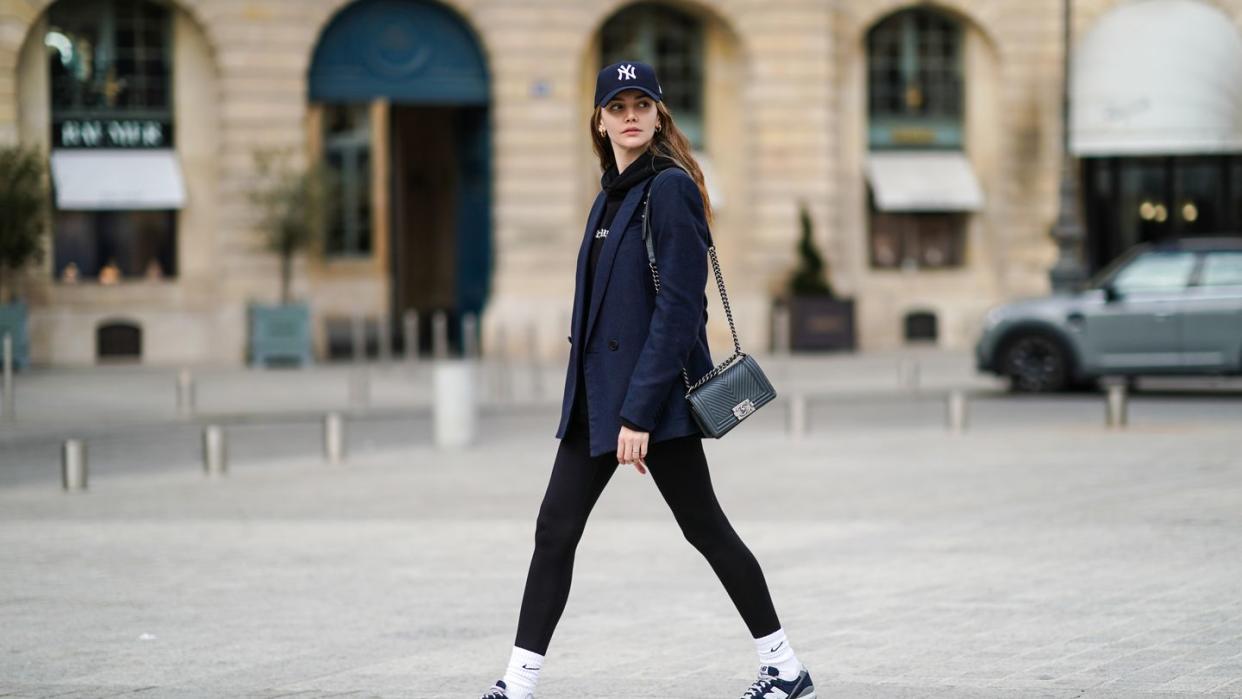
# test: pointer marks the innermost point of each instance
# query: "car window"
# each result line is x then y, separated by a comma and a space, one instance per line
1156, 271
1222, 269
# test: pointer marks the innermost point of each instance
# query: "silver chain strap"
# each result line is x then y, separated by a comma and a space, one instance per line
724, 297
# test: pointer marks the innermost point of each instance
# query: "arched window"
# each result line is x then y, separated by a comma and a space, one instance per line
921, 183
672, 42
116, 177
110, 57
914, 80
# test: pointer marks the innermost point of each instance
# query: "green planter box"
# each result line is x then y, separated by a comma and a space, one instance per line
13, 322
280, 334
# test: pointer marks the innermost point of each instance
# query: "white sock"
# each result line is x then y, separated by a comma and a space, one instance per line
522, 673
775, 650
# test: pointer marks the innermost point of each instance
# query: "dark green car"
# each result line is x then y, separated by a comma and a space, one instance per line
1167, 308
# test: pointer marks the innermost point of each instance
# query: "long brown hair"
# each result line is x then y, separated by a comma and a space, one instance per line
668, 141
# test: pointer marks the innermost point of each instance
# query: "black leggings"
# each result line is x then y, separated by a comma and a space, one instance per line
680, 471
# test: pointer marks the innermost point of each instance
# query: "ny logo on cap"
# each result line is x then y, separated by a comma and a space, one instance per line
626, 72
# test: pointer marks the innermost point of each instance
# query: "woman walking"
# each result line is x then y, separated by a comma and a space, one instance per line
624, 396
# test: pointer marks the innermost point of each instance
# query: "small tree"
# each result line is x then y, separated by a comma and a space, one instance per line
809, 278
295, 205
23, 212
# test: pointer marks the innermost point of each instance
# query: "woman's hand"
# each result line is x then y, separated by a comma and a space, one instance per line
632, 448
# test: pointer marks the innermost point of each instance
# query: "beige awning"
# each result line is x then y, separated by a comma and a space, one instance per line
117, 180
923, 181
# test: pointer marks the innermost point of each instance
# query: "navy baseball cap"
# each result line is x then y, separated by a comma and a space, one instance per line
626, 75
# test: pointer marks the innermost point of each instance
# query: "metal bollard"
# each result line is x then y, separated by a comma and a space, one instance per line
1117, 406
780, 330
215, 451
470, 335
358, 337
73, 465
957, 411
410, 321
185, 393
908, 374
503, 379
384, 338
333, 438
797, 416
10, 401
359, 385
532, 351
783, 341
439, 335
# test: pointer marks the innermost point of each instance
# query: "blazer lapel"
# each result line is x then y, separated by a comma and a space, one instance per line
583, 253
603, 269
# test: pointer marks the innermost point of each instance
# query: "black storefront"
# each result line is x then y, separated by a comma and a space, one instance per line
1131, 200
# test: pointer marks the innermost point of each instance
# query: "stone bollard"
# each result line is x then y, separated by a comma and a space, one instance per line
1117, 406
215, 451
333, 438
956, 409
185, 393
797, 416
455, 402
73, 465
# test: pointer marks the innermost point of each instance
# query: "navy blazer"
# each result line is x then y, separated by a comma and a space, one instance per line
636, 342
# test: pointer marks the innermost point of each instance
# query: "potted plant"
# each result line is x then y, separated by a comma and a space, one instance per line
818, 319
23, 217
294, 205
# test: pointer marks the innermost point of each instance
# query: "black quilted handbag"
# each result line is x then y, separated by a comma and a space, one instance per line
735, 388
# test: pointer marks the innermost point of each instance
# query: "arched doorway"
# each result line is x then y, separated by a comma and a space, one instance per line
404, 83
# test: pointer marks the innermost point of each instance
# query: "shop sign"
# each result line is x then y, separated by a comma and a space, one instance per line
112, 133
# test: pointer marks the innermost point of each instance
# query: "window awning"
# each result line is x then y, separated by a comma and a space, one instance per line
1161, 77
923, 181
117, 180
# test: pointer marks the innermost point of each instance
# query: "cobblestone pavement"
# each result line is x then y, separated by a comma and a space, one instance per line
1060, 560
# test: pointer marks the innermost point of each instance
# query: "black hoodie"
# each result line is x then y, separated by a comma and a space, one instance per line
616, 186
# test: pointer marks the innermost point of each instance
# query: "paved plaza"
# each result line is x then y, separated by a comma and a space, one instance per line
1034, 558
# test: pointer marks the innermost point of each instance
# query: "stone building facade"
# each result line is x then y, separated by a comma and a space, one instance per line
485, 187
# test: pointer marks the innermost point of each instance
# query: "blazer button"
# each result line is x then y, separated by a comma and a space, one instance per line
569, 339
612, 345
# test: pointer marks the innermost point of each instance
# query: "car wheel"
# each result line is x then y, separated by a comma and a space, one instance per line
1035, 364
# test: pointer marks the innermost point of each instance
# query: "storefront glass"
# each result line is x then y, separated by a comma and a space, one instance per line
1147, 199
110, 69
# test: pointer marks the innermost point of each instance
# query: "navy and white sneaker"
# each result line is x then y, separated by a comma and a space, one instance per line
769, 685
496, 691
500, 691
